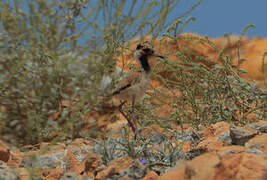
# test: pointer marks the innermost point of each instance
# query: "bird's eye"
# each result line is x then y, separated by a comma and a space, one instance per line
139, 46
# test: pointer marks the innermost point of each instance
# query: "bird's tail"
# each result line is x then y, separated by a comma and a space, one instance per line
106, 105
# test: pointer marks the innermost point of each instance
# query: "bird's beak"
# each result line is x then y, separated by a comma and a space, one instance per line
158, 55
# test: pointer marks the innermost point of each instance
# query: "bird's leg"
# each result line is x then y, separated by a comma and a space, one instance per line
134, 118
129, 121
132, 113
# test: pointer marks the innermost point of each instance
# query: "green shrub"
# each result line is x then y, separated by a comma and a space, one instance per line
60, 50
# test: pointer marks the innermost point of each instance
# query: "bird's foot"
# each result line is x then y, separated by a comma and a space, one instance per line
134, 119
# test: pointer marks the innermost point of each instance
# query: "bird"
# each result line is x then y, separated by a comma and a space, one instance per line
134, 86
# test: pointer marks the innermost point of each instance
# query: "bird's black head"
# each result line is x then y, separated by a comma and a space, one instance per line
143, 53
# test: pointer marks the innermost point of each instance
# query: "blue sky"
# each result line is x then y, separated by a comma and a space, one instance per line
217, 17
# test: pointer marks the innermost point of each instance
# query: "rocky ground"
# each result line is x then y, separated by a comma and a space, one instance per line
220, 151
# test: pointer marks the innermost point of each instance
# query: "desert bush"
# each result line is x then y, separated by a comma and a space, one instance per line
54, 55
210, 90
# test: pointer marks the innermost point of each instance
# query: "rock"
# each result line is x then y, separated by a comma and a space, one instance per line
81, 142
193, 153
254, 151
53, 160
125, 178
85, 178
260, 126
52, 165
74, 165
211, 144
189, 135
151, 175
137, 170
80, 150
194, 169
77, 158
48, 147
225, 137
91, 164
12, 158
69, 176
240, 135
242, 166
51, 174
229, 150
219, 128
229, 163
23, 173
187, 145
259, 142
4, 152
15, 158
7, 173
206, 155
116, 167
215, 137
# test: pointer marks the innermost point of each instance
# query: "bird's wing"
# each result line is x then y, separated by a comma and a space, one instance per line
128, 82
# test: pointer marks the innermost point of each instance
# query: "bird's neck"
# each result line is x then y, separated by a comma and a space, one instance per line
144, 64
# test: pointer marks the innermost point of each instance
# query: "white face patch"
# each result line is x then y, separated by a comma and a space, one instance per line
137, 54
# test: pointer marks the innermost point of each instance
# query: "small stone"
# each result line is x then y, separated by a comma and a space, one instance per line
240, 135
50, 160
90, 164
260, 126
225, 137
258, 142
189, 135
151, 175
86, 178
187, 145
193, 153
137, 170
4, 152
7, 173
115, 167
254, 151
69, 176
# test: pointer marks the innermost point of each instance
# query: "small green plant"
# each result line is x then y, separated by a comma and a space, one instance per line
152, 149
